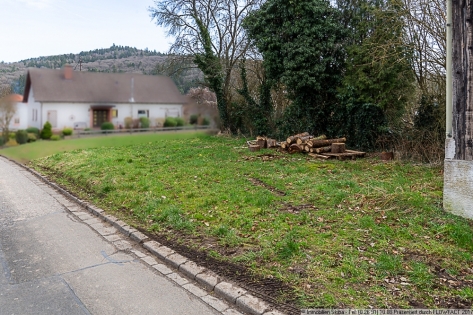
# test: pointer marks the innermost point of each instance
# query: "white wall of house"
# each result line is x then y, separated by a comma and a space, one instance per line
155, 112
20, 119
66, 115
33, 116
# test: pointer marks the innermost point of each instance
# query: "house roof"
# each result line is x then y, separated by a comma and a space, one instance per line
15, 98
89, 87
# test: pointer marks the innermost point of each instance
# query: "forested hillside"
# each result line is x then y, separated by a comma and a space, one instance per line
114, 59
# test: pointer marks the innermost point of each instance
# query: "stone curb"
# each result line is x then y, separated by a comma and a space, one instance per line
231, 293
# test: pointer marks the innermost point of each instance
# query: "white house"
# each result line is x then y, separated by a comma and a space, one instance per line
78, 100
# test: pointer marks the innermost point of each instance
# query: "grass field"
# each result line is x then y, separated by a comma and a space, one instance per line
354, 234
27, 152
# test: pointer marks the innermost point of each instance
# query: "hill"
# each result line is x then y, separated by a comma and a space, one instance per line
114, 59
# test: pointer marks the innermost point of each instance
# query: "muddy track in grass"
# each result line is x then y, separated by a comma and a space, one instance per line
272, 189
275, 292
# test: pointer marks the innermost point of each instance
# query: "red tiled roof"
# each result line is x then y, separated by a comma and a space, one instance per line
16, 98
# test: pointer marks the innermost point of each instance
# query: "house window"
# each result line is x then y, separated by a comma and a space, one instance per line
143, 113
35, 115
17, 120
114, 113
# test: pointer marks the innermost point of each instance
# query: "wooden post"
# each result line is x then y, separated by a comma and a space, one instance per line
458, 166
462, 129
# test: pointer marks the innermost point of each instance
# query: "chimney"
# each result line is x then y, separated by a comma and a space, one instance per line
132, 98
68, 72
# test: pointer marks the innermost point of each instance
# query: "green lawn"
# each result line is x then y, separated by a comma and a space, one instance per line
339, 234
27, 152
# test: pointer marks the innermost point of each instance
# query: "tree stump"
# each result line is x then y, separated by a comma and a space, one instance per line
338, 147
254, 147
271, 143
261, 141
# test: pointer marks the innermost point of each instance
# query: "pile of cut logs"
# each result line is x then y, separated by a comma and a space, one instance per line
317, 147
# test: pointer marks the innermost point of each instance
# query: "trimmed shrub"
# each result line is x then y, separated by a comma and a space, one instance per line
205, 121
67, 131
144, 122
32, 137
12, 135
179, 122
11, 143
33, 130
21, 137
1, 141
55, 137
128, 122
193, 119
47, 132
170, 122
107, 126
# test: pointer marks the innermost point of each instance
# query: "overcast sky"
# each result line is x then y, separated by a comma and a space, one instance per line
34, 28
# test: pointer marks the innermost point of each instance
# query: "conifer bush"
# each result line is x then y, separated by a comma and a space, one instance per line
47, 131
21, 137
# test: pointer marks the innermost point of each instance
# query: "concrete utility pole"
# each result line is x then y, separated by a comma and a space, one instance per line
458, 175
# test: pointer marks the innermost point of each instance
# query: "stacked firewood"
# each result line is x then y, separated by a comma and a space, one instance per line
317, 147
304, 142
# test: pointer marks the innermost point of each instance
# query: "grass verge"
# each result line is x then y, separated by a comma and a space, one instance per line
355, 234
41, 148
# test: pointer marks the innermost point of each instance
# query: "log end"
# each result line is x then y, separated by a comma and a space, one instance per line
254, 147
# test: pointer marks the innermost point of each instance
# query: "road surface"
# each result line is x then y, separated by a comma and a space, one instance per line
52, 263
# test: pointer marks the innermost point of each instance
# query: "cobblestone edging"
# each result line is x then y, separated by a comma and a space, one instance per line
170, 263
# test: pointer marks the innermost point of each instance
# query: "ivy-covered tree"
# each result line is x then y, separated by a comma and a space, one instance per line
301, 42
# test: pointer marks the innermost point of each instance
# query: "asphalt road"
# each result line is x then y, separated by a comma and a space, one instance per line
51, 263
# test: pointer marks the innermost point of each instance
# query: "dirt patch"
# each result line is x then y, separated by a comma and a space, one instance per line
296, 209
272, 189
263, 157
277, 293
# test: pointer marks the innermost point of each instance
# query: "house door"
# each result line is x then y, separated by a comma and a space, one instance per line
100, 116
52, 118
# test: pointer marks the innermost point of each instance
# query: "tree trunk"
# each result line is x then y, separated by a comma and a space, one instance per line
323, 149
295, 148
293, 139
324, 143
462, 129
303, 140
318, 156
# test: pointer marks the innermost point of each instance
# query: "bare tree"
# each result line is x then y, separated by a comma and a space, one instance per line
7, 111
203, 96
211, 32
425, 25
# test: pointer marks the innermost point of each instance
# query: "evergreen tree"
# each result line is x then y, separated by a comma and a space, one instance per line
301, 43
